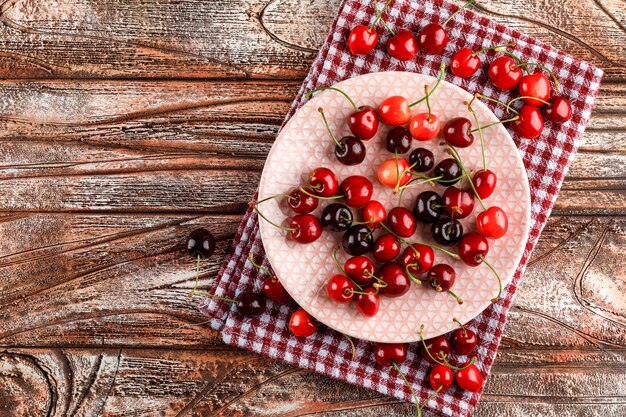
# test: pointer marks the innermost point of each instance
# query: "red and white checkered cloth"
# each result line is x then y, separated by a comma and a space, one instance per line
546, 159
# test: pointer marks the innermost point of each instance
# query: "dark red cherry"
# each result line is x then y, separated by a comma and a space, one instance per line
418, 259
535, 85
428, 207
463, 341
302, 203
470, 379
397, 281
350, 151
472, 248
485, 182
464, 63
274, 290
432, 39
306, 228
250, 304
504, 73
441, 277
362, 40
493, 223
336, 217
364, 123
368, 304
458, 203
421, 160
360, 269
447, 232
374, 213
458, 132
340, 288
357, 190
441, 378
402, 45
449, 170
323, 182
559, 110
388, 353
401, 221
386, 248
438, 347
201, 243
357, 240
530, 123
398, 140
302, 324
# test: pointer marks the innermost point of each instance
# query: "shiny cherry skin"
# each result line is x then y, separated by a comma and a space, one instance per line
535, 85
504, 73
424, 126
464, 63
386, 248
433, 39
440, 378
357, 190
302, 324
458, 132
401, 221
438, 347
398, 140
274, 290
395, 111
470, 379
363, 123
350, 151
250, 304
368, 304
463, 341
441, 277
324, 182
362, 40
428, 207
201, 243
559, 110
388, 353
447, 232
402, 45
374, 213
360, 269
485, 182
530, 123
421, 160
388, 172
307, 228
336, 217
418, 259
398, 283
493, 223
457, 203
357, 240
472, 248
449, 170
340, 288
302, 203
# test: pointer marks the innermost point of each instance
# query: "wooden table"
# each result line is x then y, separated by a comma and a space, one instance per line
126, 124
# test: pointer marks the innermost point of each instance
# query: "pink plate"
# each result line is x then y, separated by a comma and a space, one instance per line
304, 145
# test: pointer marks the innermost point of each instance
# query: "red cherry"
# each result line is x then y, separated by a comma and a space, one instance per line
306, 228
302, 203
395, 111
364, 123
362, 40
274, 290
485, 182
441, 378
302, 324
424, 126
357, 190
386, 248
360, 269
464, 63
388, 172
374, 213
388, 353
402, 45
470, 379
493, 223
438, 347
458, 132
472, 248
441, 277
401, 221
324, 182
504, 73
418, 259
559, 110
396, 279
432, 39
340, 288
463, 341
369, 303
457, 203
530, 122
535, 85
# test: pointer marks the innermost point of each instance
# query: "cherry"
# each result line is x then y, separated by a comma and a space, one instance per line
559, 110
301, 202
535, 85
465, 63
441, 378
302, 324
424, 126
485, 182
469, 378
447, 231
504, 73
386, 248
395, 111
394, 173
463, 341
201, 243
396, 280
428, 207
305, 228
398, 140
473, 247
401, 221
368, 304
362, 40
433, 38
493, 223
337, 217
418, 259
364, 123
360, 269
402, 45
349, 150
441, 277
374, 213
458, 132
437, 347
421, 160
357, 240
530, 122
250, 304
449, 170
340, 288
388, 353
357, 190
458, 203
323, 182
274, 290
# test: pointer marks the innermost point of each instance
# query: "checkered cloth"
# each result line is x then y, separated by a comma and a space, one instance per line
546, 159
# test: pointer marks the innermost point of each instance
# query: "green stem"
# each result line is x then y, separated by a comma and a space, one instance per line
273, 197
427, 103
457, 158
321, 110
206, 294
443, 361
410, 387
288, 229
380, 14
411, 276
493, 100
512, 119
259, 267
343, 271
349, 339
493, 48
457, 12
195, 287
442, 70
528, 97
480, 132
546, 69
456, 297
310, 93
497, 297
521, 63
335, 197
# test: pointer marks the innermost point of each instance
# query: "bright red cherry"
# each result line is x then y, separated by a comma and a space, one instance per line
305, 228
374, 213
362, 40
493, 223
388, 353
535, 85
441, 378
323, 182
504, 73
457, 203
363, 123
389, 171
473, 247
302, 324
441, 277
530, 123
368, 303
463, 341
464, 63
302, 203
360, 269
470, 379
424, 126
401, 221
395, 111
357, 190
432, 39
438, 347
340, 288
485, 182
402, 45
386, 248
418, 259
274, 290
559, 110
396, 279
458, 132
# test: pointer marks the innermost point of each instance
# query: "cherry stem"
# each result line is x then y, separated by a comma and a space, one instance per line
454, 319
497, 297
509, 108
457, 12
349, 339
457, 368
480, 132
427, 103
343, 271
380, 15
321, 110
512, 119
433, 395
310, 93
388, 28
456, 297
255, 208
379, 282
546, 69
259, 267
443, 361
457, 158
335, 197
273, 197
521, 63
494, 48
410, 387
411, 276
526, 97
442, 70
195, 288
